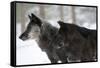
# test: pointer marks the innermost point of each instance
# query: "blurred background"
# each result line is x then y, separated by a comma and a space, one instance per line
28, 52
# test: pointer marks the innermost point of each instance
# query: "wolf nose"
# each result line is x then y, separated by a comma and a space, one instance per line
22, 38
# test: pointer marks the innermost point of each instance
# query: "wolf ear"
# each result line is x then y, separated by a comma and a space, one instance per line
29, 17
34, 16
60, 23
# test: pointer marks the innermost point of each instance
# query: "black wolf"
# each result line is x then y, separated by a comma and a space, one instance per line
44, 32
77, 44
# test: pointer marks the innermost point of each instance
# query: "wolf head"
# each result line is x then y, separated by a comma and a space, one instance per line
33, 28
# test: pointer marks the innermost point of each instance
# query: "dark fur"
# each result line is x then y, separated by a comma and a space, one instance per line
79, 43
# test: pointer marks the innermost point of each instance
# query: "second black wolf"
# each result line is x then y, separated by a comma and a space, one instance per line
77, 44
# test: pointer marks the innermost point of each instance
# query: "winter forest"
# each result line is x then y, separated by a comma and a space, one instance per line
28, 51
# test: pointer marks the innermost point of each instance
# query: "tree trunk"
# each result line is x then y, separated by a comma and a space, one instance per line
72, 14
23, 19
42, 11
61, 13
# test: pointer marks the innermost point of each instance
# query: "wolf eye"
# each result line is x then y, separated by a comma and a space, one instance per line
26, 35
60, 45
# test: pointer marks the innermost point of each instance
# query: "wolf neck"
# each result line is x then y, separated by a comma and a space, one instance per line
48, 30
47, 33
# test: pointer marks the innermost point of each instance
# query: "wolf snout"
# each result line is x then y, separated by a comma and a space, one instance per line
23, 37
